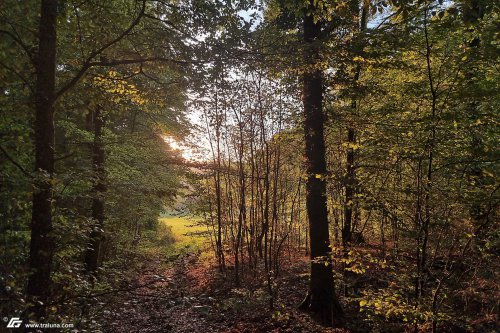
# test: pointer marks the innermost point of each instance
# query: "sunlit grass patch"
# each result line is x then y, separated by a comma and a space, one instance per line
185, 229
189, 235
176, 236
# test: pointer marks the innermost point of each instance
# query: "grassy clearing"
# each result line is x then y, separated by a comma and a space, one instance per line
177, 235
184, 229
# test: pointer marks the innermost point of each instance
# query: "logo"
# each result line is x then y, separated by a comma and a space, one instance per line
14, 322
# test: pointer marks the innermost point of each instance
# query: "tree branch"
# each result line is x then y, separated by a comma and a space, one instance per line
20, 43
88, 62
19, 75
137, 61
6, 154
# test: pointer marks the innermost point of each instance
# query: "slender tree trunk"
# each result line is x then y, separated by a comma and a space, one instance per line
431, 143
253, 199
242, 210
265, 225
93, 256
274, 217
306, 239
320, 300
350, 185
42, 242
419, 229
218, 192
262, 248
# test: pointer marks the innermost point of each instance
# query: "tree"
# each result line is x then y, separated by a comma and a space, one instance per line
94, 253
321, 299
42, 244
74, 61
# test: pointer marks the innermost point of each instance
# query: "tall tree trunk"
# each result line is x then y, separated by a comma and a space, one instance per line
265, 204
93, 256
350, 185
42, 242
350, 182
253, 198
320, 300
430, 146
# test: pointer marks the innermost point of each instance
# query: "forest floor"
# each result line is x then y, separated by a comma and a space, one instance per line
190, 296
177, 288
184, 292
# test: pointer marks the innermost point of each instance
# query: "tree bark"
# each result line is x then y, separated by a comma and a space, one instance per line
93, 256
42, 242
320, 300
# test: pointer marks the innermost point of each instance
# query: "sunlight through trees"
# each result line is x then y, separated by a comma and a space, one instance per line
249, 165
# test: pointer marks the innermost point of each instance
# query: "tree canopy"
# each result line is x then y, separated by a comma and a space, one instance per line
337, 158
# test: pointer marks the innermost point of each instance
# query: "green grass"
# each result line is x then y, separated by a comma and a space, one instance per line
177, 235
184, 229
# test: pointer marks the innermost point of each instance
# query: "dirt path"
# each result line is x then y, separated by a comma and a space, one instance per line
169, 301
191, 297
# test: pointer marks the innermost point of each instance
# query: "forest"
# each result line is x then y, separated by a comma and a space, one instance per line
249, 166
